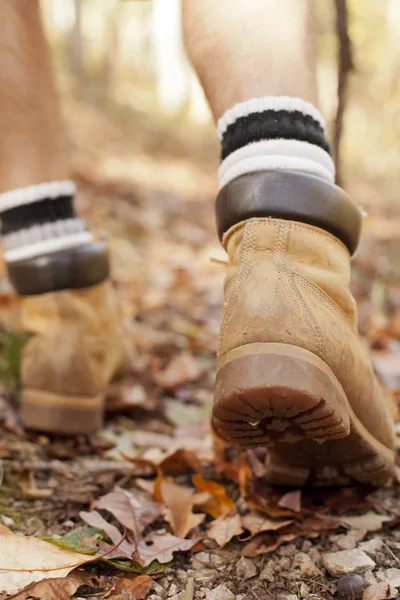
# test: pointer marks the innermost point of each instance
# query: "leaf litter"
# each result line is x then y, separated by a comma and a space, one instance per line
132, 508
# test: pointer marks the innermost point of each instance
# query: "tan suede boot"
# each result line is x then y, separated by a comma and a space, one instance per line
75, 346
293, 375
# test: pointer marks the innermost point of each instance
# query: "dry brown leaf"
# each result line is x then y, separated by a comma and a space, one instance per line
162, 548
117, 503
145, 509
182, 369
124, 549
291, 501
158, 441
272, 511
179, 502
26, 559
244, 476
29, 488
128, 394
377, 591
257, 466
262, 544
259, 498
268, 542
318, 524
179, 462
256, 522
138, 588
222, 530
58, 588
218, 505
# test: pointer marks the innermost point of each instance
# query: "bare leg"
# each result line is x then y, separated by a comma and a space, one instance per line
251, 48
47, 246
256, 61
32, 148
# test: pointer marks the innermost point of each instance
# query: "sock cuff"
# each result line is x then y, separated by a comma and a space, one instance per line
47, 246
268, 103
272, 125
279, 155
36, 193
276, 163
40, 219
35, 234
274, 134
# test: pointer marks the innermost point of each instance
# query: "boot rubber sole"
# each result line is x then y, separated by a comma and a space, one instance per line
61, 414
287, 399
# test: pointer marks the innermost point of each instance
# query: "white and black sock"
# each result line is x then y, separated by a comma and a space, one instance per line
40, 219
273, 133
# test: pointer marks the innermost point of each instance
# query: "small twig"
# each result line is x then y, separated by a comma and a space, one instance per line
391, 553
319, 583
255, 594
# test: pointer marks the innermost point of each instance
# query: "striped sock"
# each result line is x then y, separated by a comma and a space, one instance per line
40, 219
273, 133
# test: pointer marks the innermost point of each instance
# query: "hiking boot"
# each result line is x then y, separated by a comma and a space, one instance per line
293, 375
75, 346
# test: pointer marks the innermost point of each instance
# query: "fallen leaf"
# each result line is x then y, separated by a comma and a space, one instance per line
271, 510
179, 462
291, 501
267, 542
244, 477
26, 559
222, 530
161, 548
145, 509
29, 489
58, 588
137, 588
377, 591
124, 548
117, 503
182, 369
343, 500
256, 522
257, 466
317, 524
128, 394
194, 415
153, 440
259, 497
82, 539
218, 505
179, 502
370, 521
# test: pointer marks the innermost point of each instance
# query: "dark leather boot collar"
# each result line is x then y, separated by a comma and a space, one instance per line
76, 268
293, 196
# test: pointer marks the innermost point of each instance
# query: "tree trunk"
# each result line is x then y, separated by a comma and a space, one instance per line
75, 51
345, 65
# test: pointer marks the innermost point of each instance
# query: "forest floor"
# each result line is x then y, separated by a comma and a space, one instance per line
192, 522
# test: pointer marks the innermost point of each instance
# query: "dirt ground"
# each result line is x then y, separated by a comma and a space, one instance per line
237, 537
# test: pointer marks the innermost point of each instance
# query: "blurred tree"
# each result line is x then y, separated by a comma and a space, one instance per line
75, 47
345, 65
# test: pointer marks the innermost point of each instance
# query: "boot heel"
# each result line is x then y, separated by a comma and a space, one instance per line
269, 393
62, 414
287, 399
